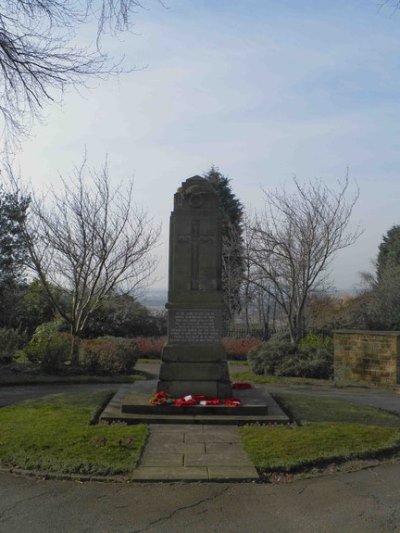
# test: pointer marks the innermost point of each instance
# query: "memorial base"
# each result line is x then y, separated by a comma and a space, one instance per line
129, 406
194, 369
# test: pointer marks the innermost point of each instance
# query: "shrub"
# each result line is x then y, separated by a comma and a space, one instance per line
316, 340
48, 346
308, 362
281, 358
150, 347
108, 355
239, 348
10, 341
267, 357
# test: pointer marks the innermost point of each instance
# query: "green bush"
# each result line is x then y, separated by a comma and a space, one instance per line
308, 362
281, 358
10, 341
108, 355
267, 357
317, 340
49, 347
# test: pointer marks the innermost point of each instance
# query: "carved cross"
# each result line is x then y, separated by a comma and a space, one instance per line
195, 239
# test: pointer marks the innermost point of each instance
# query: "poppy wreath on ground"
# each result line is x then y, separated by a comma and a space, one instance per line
210, 401
241, 385
198, 399
232, 402
190, 399
160, 398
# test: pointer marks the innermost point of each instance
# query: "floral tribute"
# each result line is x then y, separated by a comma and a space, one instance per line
162, 398
241, 385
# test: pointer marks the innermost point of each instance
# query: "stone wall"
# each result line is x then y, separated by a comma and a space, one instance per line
367, 356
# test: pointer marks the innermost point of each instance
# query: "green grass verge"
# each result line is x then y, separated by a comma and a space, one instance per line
308, 408
332, 431
249, 376
46, 379
291, 448
53, 434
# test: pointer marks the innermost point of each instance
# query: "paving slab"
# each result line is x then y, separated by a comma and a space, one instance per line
178, 447
170, 473
153, 458
216, 459
162, 438
219, 447
212, 437
173, 428
183, 453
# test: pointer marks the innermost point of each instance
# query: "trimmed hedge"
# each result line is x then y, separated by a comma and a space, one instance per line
108, 355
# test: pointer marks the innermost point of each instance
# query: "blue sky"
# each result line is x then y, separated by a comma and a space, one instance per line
264, 89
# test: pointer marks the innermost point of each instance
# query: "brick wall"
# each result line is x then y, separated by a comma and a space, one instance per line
367, 356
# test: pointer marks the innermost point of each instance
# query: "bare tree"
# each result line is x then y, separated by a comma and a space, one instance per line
256, 301
293, 241
232, 269
39, 56
86, 240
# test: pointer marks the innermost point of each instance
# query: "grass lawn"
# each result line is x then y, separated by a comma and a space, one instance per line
254, 378
42, 379
24, 373
54, 434
330, 431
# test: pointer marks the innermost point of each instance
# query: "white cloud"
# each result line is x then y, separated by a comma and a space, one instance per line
263, 91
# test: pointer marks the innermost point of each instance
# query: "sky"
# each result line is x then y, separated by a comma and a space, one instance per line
263, 89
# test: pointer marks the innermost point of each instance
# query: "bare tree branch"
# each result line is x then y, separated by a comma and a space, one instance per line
39, 57
294, 240
86, 239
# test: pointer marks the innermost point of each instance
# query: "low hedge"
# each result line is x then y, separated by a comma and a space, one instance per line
108, 355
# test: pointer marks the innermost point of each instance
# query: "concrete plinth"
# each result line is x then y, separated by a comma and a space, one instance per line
133, 407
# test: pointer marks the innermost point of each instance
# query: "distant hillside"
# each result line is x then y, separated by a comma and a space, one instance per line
154, 298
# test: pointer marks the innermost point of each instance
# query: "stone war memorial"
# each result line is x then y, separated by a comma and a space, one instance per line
193, 385
194, 360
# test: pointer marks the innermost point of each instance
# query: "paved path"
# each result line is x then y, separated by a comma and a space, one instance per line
366, 501
194, 452
358, 502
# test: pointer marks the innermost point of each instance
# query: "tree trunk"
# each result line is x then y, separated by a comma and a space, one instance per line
74, 349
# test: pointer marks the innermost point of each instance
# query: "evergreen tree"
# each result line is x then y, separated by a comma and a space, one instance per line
389, 252
13, 212
381, 306
232, 239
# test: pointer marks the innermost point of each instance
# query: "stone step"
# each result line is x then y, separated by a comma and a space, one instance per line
251, 399
195, 410
195, 419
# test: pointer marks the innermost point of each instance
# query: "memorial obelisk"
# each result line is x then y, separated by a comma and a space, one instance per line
193, 360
